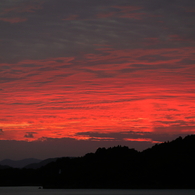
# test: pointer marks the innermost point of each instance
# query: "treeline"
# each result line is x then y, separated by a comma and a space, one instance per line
166, 165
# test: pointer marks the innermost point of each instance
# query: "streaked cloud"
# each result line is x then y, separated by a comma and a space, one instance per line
97, 71
13, 20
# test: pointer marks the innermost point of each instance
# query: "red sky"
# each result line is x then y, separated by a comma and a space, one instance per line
98, 73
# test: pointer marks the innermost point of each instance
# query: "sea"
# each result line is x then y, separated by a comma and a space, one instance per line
37, 191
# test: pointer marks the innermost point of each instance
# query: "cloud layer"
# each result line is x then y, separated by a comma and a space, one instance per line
113, 71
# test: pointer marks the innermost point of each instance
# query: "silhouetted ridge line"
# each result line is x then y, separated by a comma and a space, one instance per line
165, 165
40, 164
19, 163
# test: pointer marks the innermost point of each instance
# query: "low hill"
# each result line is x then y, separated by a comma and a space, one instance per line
166, 165
40, 163
19, 163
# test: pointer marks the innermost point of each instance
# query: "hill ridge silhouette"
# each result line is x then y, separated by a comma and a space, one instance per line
19, 163
165, 165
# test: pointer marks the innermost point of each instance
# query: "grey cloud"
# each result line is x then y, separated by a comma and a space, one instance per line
141, 67
119, 136
63, 76
24, 103
4, 67
29, 65
154, 58
77, 118
73, 107
187, 61
48, 68
116, 136
178, 122
32, 74
8, 79
190, 117
101, 73
30, 134
42, 83
64, 38
185, 129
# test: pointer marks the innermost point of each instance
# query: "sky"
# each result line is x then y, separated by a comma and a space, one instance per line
77, 75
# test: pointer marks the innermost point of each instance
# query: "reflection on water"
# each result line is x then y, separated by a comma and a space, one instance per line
37, 191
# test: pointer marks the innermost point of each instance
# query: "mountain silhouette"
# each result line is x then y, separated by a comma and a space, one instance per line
166, 165
40, 164
19, 163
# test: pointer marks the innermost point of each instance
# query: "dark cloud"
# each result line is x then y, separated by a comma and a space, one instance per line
58, 37
8, 79
178, 122
30, 134
121, 136
101, 73
175, 129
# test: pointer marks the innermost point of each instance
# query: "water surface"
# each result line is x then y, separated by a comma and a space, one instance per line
36, 191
